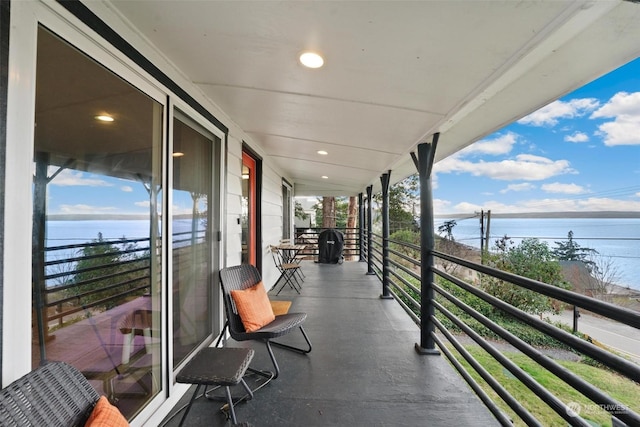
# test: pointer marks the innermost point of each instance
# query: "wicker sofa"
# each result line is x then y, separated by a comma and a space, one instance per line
55, 394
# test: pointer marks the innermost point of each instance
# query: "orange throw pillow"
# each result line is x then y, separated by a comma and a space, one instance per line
104, 414
253, 307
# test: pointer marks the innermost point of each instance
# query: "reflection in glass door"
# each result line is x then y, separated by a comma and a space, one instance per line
97, 199
194, 227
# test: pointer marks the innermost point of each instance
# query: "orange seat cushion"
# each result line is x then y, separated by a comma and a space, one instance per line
254, 307
104, 414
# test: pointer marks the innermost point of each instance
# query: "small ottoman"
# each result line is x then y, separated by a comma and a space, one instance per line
213, 366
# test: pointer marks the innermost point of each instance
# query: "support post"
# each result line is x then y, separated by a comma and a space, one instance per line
426, 156
38, 241
360, 227
385, 178
369, 232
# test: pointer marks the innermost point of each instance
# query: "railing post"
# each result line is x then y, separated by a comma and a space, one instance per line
360, 227
426, 156
385, 178
369, 232
38, 240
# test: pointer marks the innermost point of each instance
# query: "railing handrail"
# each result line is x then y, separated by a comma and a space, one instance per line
620, 314
398, 283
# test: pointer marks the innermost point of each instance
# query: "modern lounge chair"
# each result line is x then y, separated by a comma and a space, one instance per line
243, 277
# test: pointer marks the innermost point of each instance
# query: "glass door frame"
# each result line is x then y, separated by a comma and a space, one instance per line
254, 163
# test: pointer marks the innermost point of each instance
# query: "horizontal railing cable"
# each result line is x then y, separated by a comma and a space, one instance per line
545, 395
621, 365
611, 311
511, 401
490, 404
587, 389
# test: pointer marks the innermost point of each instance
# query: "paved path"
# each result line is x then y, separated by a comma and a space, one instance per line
619, 337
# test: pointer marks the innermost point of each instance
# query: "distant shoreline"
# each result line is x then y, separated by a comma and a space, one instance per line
107, 217
568, 214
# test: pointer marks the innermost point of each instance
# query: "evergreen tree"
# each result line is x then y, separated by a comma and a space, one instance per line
107, 270
569, 250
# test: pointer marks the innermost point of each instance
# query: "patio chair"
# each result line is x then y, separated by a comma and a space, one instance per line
288, 271
243, 277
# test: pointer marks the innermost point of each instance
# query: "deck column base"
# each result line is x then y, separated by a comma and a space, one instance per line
426, 351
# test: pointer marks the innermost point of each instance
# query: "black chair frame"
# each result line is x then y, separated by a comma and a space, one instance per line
245, 276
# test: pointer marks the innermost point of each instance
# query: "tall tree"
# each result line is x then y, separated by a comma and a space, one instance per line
329, 212
352, 215
569, 250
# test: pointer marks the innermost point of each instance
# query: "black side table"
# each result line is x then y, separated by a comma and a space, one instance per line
214, 366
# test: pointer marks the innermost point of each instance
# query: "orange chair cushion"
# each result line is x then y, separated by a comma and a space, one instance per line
254, 307
104, 414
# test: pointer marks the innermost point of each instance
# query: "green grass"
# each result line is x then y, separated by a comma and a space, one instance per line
620, 388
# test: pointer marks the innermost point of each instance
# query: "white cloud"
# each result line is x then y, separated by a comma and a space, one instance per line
440, 205
68, 178
624, 108
577, 137
143, 204
525, 186
85, 209
558, 187
549, 115
525, 167
465, 207
621, 132
126, 189
502, 144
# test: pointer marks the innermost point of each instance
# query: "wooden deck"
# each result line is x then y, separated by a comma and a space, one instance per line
363, 370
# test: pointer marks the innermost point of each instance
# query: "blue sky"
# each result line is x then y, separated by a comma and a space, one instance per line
579, 153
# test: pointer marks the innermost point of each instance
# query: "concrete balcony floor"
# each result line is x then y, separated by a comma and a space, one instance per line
363, 370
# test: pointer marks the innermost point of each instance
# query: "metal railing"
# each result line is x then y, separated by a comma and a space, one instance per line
78, 278
309, 238
453, 318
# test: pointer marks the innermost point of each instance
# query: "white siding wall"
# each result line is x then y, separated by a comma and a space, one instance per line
17, 278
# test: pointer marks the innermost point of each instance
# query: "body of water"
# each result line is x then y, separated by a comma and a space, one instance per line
618, 240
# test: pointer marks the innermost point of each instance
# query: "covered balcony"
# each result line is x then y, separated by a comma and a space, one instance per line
363, 369
404, 85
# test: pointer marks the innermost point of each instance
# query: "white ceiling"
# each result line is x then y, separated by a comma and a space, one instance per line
395, 73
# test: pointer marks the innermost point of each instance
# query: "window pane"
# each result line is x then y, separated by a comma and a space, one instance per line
192, 238
96, 237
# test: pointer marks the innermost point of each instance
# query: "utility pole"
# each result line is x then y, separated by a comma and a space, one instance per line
486, 238
484, 231
481, 229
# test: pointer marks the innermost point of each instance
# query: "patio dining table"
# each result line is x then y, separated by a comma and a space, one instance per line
290, 252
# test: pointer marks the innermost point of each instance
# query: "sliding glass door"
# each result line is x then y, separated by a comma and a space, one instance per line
97, 203
194, 225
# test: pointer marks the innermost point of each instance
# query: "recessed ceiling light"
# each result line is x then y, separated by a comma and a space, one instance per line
311, 60
178, 154
105, 118
325, 177
322, 153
